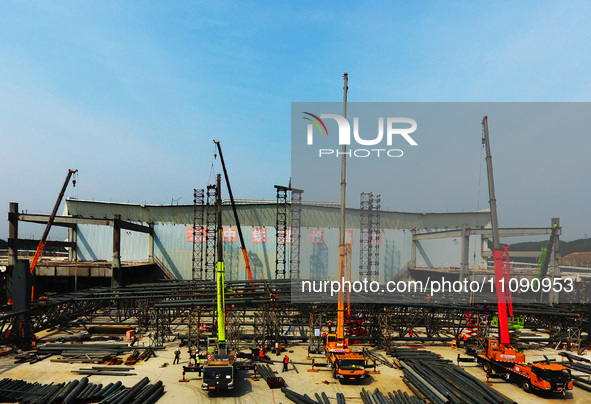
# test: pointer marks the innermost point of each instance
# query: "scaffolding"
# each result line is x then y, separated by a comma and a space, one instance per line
235, 319
281, 236
198, 195
369, 237
211, 233
193, 330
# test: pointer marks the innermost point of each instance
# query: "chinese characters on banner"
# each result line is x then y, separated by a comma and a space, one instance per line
200, 234
259, 235
348, 236
287, 236
316, 236
230, 234
376, 238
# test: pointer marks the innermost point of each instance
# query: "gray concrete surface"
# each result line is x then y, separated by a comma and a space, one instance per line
257, 392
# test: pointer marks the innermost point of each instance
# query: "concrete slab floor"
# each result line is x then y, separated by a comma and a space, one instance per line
249, 391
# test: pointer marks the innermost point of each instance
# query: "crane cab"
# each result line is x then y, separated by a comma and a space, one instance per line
503, 352
332, 344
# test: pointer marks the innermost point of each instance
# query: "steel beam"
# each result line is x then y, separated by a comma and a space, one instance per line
63, 221
503, 232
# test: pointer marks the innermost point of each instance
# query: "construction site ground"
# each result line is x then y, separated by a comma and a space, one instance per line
251, 391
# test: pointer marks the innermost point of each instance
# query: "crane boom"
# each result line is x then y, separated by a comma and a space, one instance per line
342, 244
43, 240
220, 284
500, 255
244, 252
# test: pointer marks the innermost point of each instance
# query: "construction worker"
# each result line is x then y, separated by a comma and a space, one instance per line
198, 364
261, 354
285, 362
177, 356
465, 339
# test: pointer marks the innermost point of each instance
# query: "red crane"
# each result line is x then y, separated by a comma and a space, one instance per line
500, 254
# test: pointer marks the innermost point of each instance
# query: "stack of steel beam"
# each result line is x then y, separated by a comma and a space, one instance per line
268, 374
88, 352
106, 371
395, 397
306, 399
80, 391
442, 382
581, 382
265, 371
59, 349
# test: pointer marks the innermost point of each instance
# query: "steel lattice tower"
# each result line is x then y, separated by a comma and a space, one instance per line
296, 223
211, 233
198, 195
281, 231
369, 237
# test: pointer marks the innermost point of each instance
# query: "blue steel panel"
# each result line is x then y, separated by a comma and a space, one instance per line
172, 247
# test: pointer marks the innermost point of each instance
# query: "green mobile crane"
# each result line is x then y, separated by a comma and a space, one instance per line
220, 367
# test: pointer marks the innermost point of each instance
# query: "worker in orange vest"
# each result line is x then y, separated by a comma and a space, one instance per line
261, 354
285, 362
465, 339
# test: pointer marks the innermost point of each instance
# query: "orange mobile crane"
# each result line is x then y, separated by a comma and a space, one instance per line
43, 240
346, 365
500, 357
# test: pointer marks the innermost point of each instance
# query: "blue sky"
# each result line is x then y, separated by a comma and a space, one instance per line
133, 93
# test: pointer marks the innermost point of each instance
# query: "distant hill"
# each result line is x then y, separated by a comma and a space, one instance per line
566, 247
3, 244
577, 259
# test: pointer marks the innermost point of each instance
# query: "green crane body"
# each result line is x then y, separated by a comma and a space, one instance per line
221, 304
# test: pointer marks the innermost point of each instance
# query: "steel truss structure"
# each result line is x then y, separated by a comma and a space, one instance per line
261, 313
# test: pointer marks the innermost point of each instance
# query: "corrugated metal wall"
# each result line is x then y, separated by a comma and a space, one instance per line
319, 260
